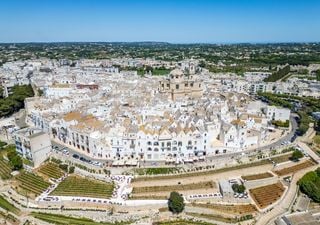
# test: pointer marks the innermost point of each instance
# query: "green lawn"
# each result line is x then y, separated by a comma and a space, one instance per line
8, 206
83, 187
66, 220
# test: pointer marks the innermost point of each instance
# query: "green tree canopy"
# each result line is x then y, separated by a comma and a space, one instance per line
176, 202
296, 155
310, 185
239, 188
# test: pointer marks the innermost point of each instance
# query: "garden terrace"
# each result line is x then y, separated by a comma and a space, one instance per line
182, 222
67, 220
257, 176
201, 173
242, 209
179, 187
51, 170
267, 195
8, 206
32, 183
282, 158
83, 187
217, 217
5, 169
157, 171
147, 197
295, 168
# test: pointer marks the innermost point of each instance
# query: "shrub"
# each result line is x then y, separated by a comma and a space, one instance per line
57, 161
15, 159
238, 188
176, 202
64, 167
296, 155
2, 144
71, 169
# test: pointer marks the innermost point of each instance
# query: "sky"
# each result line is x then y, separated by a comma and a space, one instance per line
176, 21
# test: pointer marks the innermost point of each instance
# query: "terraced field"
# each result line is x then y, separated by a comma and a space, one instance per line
51, 170
182, 222
169, 188
201, 173
257, 176
148, 197
267, 195
242, 209
68, 220
83, 187
4, 204
32, 183
295, 168
5, 169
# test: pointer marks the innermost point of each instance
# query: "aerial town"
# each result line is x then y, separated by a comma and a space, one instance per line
121, 138
162, 112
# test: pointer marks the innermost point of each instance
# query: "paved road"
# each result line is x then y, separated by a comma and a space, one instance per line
308, 150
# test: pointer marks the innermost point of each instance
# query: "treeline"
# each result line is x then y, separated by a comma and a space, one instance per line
15, 101
278, 74
310, 184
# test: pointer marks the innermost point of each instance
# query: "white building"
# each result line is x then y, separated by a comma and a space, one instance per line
33, 144
277, 113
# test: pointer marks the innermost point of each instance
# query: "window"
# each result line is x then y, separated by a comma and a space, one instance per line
177, 86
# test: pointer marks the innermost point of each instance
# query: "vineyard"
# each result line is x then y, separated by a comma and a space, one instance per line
242, 209
32, 183
78, 186
267, 195
293, 169
169, 188
257, 176
5, 169
51, 170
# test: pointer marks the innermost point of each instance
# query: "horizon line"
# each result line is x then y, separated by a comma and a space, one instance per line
167, 42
